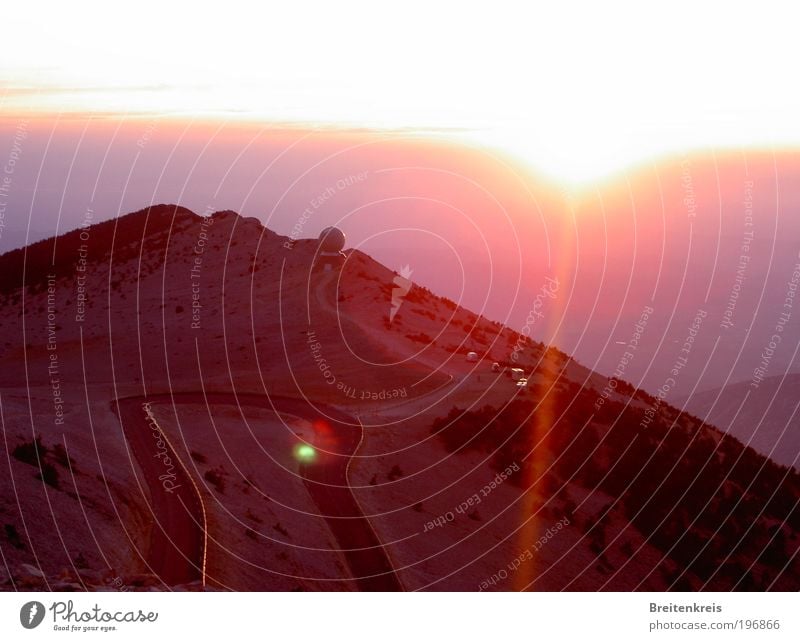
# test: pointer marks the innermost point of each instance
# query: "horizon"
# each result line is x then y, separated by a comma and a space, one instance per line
576, 140
136, 140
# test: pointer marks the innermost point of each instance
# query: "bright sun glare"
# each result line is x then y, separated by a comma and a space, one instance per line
571, 90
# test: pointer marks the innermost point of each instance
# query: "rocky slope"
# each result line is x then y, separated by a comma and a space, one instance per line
469, 480
764, 417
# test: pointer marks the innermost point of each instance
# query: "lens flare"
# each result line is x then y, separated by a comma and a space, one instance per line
305, 453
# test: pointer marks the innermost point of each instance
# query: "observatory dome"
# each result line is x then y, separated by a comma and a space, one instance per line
331, 240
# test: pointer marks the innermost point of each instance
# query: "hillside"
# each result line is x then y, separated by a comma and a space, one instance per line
764, 417
256, 371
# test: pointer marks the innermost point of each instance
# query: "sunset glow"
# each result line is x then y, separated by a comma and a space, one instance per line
555, 91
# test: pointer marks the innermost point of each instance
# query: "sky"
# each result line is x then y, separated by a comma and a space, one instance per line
574, 91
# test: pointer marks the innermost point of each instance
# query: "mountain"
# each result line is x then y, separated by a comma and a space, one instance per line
712, 233
763, 416
195, 401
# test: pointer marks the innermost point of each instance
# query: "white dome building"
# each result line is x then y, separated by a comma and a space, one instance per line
329, 254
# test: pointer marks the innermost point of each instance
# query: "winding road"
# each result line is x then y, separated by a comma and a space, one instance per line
178, 546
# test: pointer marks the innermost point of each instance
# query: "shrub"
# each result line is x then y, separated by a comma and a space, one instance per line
49, 475
421, 337
395, 473
13, 536
61, 457
30, 453
215, 478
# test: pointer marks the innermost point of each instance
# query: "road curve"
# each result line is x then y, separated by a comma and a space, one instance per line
178, 540
325, 478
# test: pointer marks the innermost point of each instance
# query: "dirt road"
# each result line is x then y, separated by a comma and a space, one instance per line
178, 547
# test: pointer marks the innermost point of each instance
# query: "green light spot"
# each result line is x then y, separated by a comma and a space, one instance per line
305, 453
